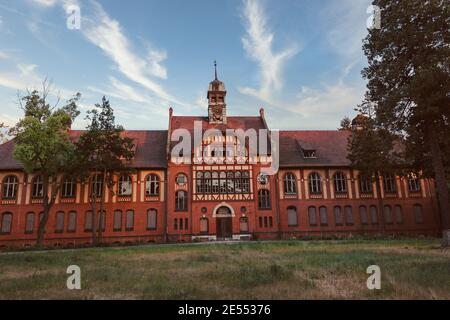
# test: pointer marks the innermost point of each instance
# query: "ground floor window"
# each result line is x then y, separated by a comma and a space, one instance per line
29, 224
72, 223
151, 219
243, 223
292, 216
418, 214
312, 216
204, 225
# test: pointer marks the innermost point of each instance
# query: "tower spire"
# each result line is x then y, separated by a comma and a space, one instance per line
215, 69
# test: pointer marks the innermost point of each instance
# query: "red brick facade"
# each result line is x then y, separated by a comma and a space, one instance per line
205, 209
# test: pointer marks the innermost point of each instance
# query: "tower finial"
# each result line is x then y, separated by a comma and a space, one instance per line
215, 69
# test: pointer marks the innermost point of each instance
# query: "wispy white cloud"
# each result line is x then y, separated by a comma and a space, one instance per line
258, 44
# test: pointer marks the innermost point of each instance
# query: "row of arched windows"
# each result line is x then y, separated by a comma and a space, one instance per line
345, 216
340, 183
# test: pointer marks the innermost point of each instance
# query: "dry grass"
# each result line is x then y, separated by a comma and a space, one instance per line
411, 269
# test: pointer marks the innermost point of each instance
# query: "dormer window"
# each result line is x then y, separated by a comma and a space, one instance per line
309, 154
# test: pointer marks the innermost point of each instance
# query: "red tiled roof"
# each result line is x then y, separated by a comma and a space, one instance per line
150, 150
330, 146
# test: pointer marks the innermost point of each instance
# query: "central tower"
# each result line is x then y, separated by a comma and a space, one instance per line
217, 108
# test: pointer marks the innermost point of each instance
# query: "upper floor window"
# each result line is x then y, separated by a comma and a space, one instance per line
10, 184
264, 199
152, 185
290, 183
309, 154
125, 185
389, 184
365, 184
181, 179
315, 183
181, 201
340, 183
225, 182
413, 184
68, 187
6, 222
97, 185
37, 187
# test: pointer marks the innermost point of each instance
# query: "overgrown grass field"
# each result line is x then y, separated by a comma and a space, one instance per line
410, 269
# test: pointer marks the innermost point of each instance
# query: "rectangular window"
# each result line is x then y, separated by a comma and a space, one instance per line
387, 214
117, 225
292, 217
260, 220
399, 214
181, 224
151, 219
374, 215
338, 219
186, 224
72, 223
349, 216
363, 215
312, 216
243, 224
6, 223
323, 216
270, 222
418, 214
266, 224
129, 226
102, 219
203, 225
59, 222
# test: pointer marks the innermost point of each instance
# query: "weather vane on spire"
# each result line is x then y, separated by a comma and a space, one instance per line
215, 68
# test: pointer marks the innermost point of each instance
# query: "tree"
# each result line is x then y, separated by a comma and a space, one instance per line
104, 150
408, 77
42, 144
373, 153
3, 133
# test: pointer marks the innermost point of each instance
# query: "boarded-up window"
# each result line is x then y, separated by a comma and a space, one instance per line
312, 216
292, 216
243, 223
363, 214
398, 214
388, 214
418, 213
88, 221
151, 219
59, 228
338, 218
349, 216
6, 222
102, 220
323, 216
29, 226
374, 215
129, 225
72, 222
117, 223
204, 225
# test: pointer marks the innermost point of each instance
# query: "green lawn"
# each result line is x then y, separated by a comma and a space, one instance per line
411, 269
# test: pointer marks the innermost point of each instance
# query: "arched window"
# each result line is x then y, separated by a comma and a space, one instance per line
374, 214
290, 183
204, 225
29, 223
207, 186
338, 218
312, 216
117, 223
243, 224
181, 201
37, 187
413, 183
245, 182
418, 213
387, 214
6, 223
315, 183
264, 199
152, 185
389, 183
88, 221
292, 216
129, 220
151, 219
237, 182
398, 214
340, 183
349, 216
365, 184
125, 187
72, 222
363, 215
200, 183
68, 187
230, 182
323, 216
10, 184
59, 227
223, 182
97, 185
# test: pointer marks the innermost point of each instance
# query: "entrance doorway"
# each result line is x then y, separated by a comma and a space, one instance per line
224, 223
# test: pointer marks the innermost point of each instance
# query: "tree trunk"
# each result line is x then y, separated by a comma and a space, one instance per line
380, 202
441, 182
94, 210
47, 204
102, 214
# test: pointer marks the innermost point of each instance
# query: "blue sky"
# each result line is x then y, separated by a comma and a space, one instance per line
299, 59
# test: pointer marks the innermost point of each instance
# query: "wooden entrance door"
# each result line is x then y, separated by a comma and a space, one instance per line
224, 228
